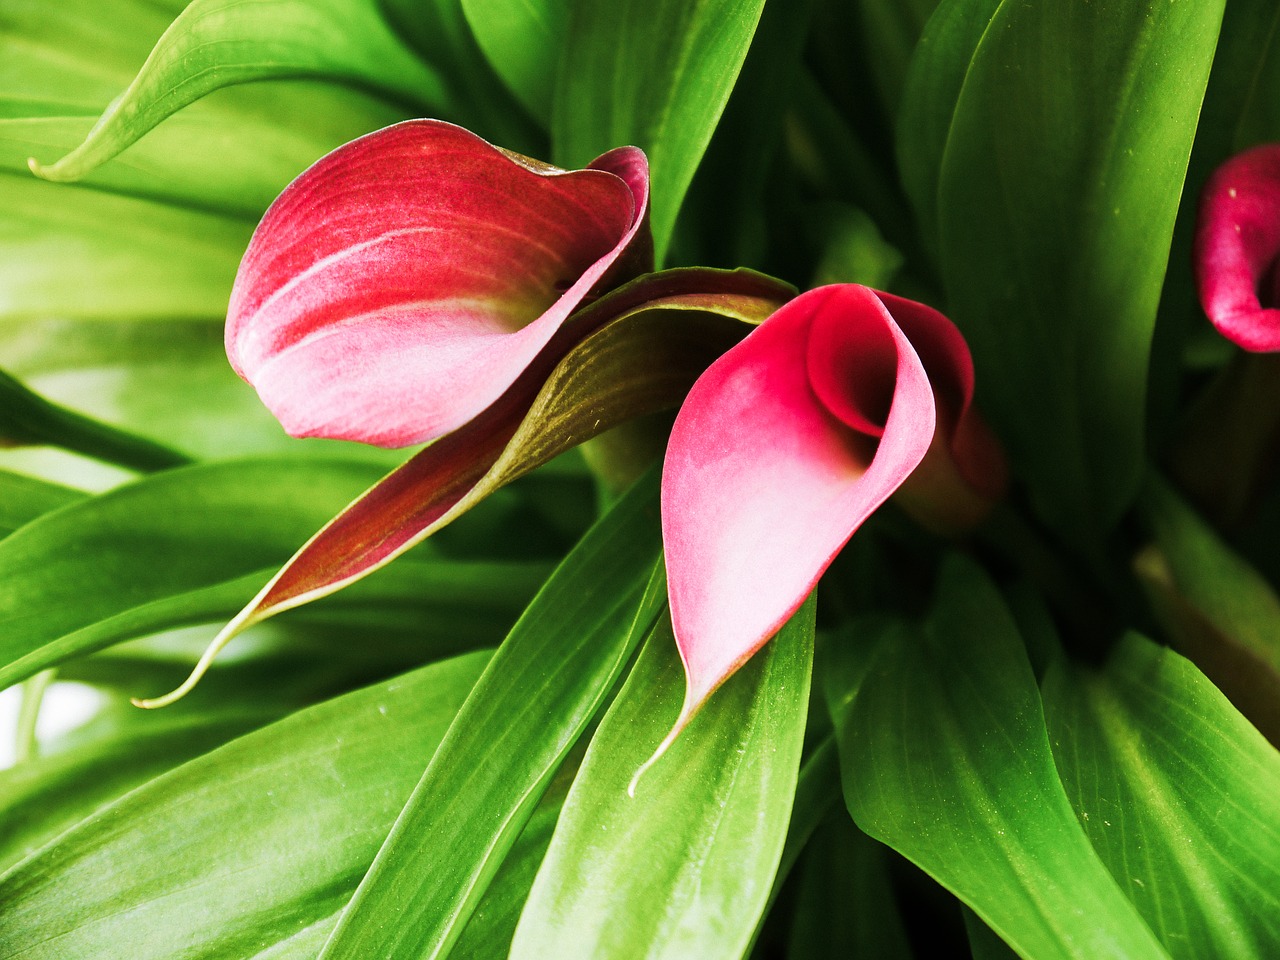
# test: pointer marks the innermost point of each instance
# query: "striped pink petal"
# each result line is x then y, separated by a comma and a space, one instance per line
402, 283
787, 444
1236, 248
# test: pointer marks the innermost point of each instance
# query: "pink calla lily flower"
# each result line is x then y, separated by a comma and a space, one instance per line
1237, 246
401, 284
790, 441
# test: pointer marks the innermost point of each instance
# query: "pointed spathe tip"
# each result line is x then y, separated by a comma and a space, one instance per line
243, 621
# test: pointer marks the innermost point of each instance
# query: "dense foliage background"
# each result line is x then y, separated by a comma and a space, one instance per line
1051, 736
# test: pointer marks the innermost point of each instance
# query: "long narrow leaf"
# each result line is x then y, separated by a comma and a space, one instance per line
707, 822
525, 713
153, 876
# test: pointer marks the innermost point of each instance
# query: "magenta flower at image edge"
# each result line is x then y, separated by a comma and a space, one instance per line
789, 442
1237, 244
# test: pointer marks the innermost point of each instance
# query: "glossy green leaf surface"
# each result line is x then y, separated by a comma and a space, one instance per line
945, 758
1053, 240
707, 821
166, 382
1179, 794
543, 686
42, 797
681, 61
216, 43
311, 798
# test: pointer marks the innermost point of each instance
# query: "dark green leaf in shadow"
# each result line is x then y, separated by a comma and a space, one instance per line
309, 799
707, 822
844, 904
1217, 609
28, 418
671, 66
945, 758
216, 43
546, 682
1057, 201
1179, 794
931, 88
983, 942
889, 31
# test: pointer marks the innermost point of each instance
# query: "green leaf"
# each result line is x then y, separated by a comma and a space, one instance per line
45, 796
844, 904
131, 258
1057, 201
489, 931
684, 868
1217, 609
74, 56
946, 759
930, 90
28, 418
163, 542
217, 43
889, 31
546, 682
681, 62
309, 798
522, 40
22, 499
1179, 794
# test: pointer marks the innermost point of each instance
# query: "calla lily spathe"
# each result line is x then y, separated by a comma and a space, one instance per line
1237, 244
790, 441
403, 282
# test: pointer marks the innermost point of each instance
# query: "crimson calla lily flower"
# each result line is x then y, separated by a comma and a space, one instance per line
400, 285
1237, 244
790, 441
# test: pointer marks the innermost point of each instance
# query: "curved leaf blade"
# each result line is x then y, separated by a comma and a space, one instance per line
1057, 202
217, 43
1178, 793
178, 538
946, 759
311, 798
708, 821
681, 60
